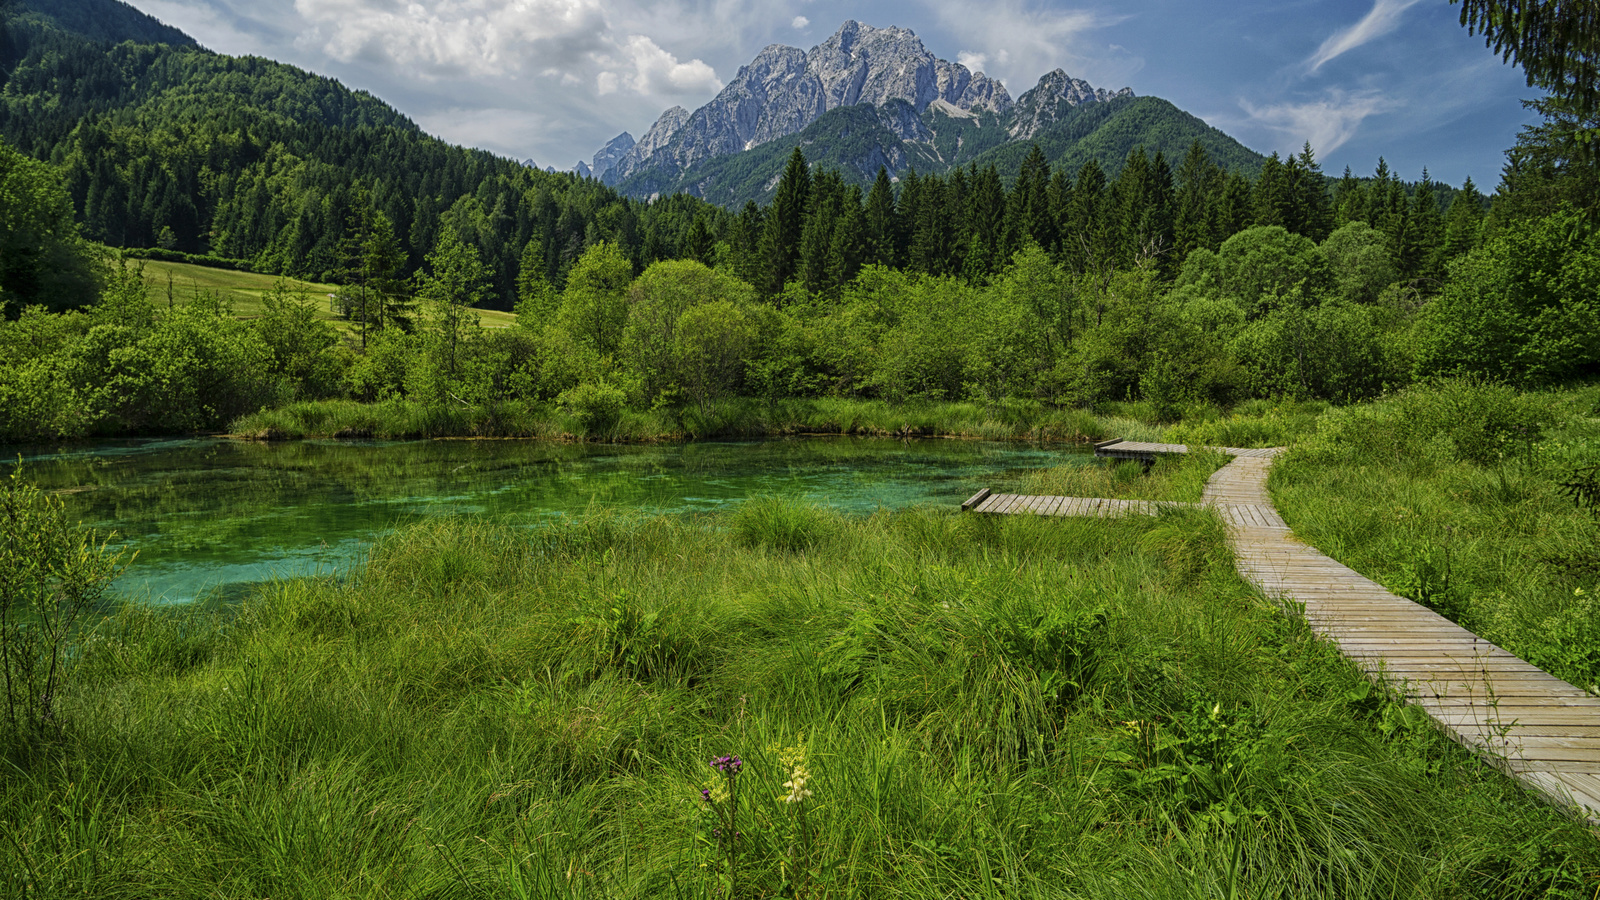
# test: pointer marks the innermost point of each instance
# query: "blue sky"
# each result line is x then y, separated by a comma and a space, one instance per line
552, 80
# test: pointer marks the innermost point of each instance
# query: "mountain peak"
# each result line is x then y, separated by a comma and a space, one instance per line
1049, 100
784, 89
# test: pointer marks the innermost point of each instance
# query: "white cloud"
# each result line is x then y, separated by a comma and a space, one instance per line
1017, 41
655, 71
571, 40
1384, 18
800, 23
1326, 123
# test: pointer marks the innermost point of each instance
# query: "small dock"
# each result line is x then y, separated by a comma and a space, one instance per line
1146, 452
1525, 722
1004, 504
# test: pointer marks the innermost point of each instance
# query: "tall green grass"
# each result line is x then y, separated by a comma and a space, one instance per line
733, 418
1177, 478
986, 707
1451, 494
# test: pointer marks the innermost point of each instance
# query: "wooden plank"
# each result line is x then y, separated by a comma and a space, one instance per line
975, 499
1475, 691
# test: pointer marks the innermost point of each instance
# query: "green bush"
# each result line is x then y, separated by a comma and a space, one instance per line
597, 405
51, 573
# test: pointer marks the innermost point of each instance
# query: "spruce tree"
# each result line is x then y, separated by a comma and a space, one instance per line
1420, 250
1197, 193
1463, 224
1274, 194
880, 225
1313, 214
987, 249
785, 225
849, 248
1349, 200
537, 299
1060, 197
700, 245
1083, 237
1029, 205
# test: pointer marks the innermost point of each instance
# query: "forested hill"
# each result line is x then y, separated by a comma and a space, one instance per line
169, 145
857, 140
107, 21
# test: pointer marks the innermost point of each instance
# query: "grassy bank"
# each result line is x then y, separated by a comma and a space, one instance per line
177, 284
1453, 495
924, 704
1252, 424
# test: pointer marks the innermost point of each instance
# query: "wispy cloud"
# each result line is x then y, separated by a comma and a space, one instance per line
800, 23
1017, 41
1384, 18
1326, 123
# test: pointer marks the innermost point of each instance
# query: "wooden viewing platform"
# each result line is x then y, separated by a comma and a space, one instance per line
1531, 725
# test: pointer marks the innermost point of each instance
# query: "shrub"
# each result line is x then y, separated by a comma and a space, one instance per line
50, 572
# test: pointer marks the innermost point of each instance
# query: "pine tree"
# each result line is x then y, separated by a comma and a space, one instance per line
1029, 204
986, 216
537, 299
1313, 214
785, 225
1084, 238
880, 226
1423, 238
1463, 224
1198, 190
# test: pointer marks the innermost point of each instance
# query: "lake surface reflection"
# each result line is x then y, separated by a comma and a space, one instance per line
209, 517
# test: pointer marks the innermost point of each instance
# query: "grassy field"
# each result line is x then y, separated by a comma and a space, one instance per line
178, 283
923, 704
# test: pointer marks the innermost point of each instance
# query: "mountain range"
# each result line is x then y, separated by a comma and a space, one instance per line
876, 97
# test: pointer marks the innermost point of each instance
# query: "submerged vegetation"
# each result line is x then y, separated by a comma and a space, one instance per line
782, 701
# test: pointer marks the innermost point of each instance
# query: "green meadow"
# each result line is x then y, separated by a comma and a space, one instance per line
922, 703
178, 284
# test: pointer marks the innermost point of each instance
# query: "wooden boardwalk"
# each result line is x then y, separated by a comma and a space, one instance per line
1120, 449
1531, 725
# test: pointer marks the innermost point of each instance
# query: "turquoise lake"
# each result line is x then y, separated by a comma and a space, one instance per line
209, 517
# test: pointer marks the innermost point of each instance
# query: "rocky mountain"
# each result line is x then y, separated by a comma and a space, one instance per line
870, 97
1051, 99
856, 140
606, 158
785, 89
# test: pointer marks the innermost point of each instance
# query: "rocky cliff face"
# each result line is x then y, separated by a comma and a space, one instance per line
1050, 99
606, 159
784, 89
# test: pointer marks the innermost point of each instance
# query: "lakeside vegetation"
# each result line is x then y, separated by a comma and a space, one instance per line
781, 700
921, 702
1471, 498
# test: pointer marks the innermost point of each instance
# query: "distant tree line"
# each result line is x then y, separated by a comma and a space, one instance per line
821, 231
